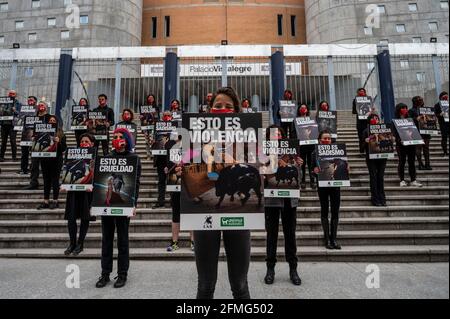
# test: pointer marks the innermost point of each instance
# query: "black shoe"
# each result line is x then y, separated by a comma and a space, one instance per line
31, 187
313, 185
159, 205
270, 276
102, 281
54, 205
43, 206
421, 167
303, 185
295, 278
69, 249
428, 168
78, 249
92, 218
335, 245
121, 280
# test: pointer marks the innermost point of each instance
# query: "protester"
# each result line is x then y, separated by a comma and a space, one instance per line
127, 119
376, 167
205, 108
109, 113
328, 196
7, 129
444, 126
287, 208
51, 167
288, 128
42, 113
306, 152
78, 206
414, 113
361, 125
405, 152
25, 150
150, 101
83, 102
122, 148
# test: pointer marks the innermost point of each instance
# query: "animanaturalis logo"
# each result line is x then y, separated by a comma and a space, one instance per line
232, 222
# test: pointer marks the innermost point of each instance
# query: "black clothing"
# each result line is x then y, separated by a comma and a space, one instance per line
376, 168
444, 127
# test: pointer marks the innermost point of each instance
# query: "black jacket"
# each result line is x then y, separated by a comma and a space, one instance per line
109, 112
438, 111
129, 154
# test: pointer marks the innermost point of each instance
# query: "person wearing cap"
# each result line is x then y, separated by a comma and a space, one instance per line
122, 148
8, 129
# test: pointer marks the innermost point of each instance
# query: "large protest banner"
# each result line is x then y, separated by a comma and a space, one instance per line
222, 188
79, 117
100, 130
428, 123
288, 111
381, 142
6, 108
444, 107
408, 132
44, 144
28, 130
78, 170
164, 132
114, 186
148, 116
333, 164
363, 106
327, 120
307, 131
281, 172
24, 111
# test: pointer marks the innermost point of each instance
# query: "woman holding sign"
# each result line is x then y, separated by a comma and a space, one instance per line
405, 152
78, 133
78, 206
442, 115
376, 167
51, 167
361, 125
327, 196
122, 148
416, 115
237, 242
306, 152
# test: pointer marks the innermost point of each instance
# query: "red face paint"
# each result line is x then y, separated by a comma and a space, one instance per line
222, 111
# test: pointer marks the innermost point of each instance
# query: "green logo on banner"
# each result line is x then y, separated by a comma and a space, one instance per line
283, 193
116, 211
232, 221
79, 187
338, 184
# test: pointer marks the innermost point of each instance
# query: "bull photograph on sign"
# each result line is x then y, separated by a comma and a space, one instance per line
221, 178
97, 125
114, 186
408, 132
327, 120
363, 106
428, 123
381, 142
333, 165
6, 108
281, 169
174, 167
307, 131
288, 111
148, 116
24, 111
28, 130
78, 170
79, 117
164, 132
44, 144
444, 107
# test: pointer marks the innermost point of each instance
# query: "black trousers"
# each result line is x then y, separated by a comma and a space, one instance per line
161, 185
377, 168
406, 152
35, 166
361, 127
176, 206
425, 149
289, 130
237, 248
327, 196
307, 160
444, 132
72, 227
25, 159
289, 221
109, 224
105, 146
51, 171
8, 131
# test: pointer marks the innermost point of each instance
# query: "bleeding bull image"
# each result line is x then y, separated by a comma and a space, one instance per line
327, 121
164, 132
333, 165
363, 106
44, 144
221, 179
6, 108
288, 111
19, 119
408, 132
148, 116
307, 131
428, 123
381, 142
78, 171
28, 130
281, 169
79, 117
97, 125
114, 186
444, 107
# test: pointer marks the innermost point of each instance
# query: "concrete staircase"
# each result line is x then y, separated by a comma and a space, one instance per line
413, 228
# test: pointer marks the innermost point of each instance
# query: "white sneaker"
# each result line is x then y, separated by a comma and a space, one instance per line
415, 184
403, 184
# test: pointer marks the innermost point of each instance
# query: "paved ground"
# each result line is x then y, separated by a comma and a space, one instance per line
21, 278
